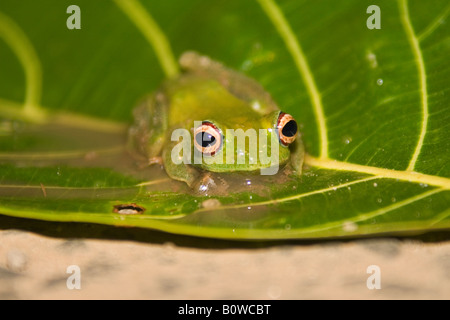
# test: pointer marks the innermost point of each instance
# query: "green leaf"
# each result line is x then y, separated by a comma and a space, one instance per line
373, 105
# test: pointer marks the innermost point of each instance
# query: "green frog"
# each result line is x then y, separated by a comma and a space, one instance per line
207, 105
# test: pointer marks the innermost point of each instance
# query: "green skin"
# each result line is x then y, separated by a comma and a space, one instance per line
207, 91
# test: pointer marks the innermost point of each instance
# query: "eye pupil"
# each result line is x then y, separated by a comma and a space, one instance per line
287, 129
205, 139
290, 129
208, 138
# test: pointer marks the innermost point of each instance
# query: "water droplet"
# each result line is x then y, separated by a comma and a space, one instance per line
375, 184
334, 188
58, 172
424, 185
249, 182
287, 227
379, 200
249, 208
372, 58
347, 140
349, 188
380, 82
393, 199
251, 197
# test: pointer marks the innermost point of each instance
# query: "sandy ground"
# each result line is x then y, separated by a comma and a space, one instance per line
123, 263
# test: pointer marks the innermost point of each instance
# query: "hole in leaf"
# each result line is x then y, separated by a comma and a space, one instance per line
128, 209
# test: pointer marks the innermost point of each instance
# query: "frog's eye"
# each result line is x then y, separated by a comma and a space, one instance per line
287, 128
207, 138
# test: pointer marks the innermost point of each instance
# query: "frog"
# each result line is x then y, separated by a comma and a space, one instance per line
206, 100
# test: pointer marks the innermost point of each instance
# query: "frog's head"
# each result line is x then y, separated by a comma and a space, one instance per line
231, 144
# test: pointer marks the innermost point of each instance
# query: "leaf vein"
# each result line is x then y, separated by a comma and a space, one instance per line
17, 40
151, 31
415, 47
434, 25
278, 19
410, 176
440, 217
373, 214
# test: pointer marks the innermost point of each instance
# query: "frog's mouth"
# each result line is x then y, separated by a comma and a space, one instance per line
270, 168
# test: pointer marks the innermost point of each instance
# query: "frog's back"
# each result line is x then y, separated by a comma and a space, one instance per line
196, 98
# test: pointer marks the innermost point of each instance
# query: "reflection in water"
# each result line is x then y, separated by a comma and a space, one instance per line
60, 168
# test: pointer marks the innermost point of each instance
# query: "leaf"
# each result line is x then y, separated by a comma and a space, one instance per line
373, 107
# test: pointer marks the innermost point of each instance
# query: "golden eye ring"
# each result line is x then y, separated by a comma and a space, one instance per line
287, 128
207, 138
